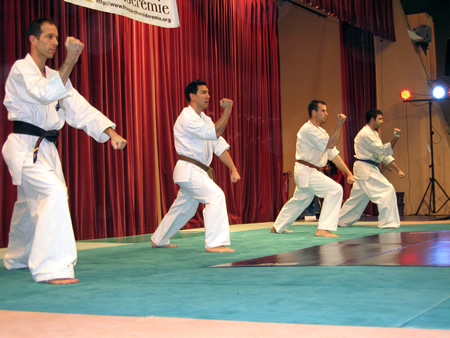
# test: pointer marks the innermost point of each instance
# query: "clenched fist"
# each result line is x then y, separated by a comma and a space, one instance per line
74, 47
226, 103
342, 117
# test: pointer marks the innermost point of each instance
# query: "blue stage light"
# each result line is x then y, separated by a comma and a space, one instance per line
439, 92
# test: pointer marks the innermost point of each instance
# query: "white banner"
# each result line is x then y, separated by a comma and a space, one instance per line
161, 13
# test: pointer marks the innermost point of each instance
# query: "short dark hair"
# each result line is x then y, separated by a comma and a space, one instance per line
372, 114
35, 27
314, 105
192, 88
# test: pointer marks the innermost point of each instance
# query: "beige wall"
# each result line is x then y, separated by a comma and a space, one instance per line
310, 69
399, 66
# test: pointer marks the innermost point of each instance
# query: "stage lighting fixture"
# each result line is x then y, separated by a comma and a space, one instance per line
439, 92
405, 94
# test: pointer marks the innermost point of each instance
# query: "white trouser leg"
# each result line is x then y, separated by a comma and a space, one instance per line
215, 215
200, 189
353, 208
181, 211
324, 187
293, 208
21, 234
321, 186
382, 193
53, 252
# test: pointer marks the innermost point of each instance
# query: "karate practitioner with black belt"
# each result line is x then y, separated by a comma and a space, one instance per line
39, 101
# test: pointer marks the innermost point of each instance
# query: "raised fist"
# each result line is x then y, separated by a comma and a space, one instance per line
74, 47
226, 103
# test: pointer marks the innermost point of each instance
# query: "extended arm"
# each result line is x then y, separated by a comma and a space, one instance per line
228, 161
343, 167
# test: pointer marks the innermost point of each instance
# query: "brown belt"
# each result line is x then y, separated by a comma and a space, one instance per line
209, 170
308, 164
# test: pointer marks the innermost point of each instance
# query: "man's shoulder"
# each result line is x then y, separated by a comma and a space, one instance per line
305, 126
27, 61
366, 131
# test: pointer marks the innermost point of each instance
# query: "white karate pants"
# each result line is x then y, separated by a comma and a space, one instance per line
378, 190
318, 185
200, 189
41, 235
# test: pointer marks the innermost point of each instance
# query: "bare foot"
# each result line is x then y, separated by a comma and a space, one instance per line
222, 248
285, 231
62, 281
165, 246
325, 233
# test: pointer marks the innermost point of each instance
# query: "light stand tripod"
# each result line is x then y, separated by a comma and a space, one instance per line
431, 185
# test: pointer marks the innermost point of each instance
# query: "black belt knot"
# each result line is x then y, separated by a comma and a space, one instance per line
26, 128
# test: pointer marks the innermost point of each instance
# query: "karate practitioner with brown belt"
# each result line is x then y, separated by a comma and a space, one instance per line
197, 139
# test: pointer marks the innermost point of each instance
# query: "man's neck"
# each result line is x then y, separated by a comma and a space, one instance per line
39, 61
196, 109
315, 122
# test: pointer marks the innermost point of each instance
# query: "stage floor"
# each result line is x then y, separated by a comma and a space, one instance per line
129, 289
424, 248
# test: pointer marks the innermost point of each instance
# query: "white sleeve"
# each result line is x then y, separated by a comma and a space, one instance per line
373, 144
32, 87
220, 146
332, 153
81, 114
200, 129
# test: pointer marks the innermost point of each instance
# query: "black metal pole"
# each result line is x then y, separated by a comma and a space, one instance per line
433, 191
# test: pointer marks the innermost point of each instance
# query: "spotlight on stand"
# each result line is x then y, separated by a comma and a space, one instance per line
405, 94
440, 92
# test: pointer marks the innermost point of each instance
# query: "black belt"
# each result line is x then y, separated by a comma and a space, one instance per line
209, 170
25, 128
376, 164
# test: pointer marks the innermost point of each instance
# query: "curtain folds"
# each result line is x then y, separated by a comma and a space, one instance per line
136, 74
375, 16
358, 84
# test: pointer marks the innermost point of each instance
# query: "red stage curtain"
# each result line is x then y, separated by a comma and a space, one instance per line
135, 73
375, 16
358, 84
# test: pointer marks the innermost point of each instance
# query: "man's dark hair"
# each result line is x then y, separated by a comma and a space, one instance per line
35, 27
314, 105
333, 167
372, 114
192, 88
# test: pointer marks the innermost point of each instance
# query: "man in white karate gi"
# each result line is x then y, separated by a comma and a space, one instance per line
314, 149
197, 138
370, 184
39, 101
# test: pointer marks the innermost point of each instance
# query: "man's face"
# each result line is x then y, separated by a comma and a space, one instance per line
378, 122
47, 42
201, 98
321, 113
